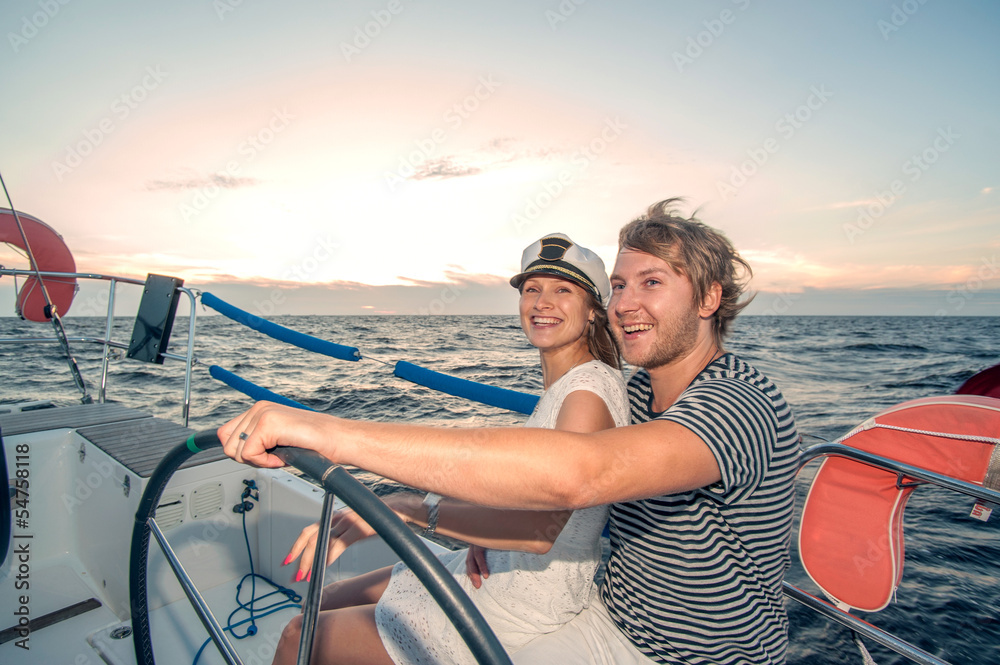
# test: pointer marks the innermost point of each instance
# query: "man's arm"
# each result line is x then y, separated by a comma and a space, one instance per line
526, 468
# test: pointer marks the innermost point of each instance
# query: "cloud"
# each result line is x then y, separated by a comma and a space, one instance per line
269, 299
840, 205
444, 168
500, 143
986, 190
785, 269
222, 180
496, 153
469, 294
458, 277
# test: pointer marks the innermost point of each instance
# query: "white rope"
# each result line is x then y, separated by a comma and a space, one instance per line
865, 656
944, 435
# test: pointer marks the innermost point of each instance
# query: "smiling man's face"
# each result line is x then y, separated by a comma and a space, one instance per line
652, 310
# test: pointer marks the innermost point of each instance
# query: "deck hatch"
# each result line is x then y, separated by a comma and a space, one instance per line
139, 445
78, 415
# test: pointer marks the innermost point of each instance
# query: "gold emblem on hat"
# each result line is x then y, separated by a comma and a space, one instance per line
553, 249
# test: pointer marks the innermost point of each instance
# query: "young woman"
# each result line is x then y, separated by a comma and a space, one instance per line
539, 565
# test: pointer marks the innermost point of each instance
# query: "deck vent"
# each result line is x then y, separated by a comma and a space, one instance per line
170, 511
206, 500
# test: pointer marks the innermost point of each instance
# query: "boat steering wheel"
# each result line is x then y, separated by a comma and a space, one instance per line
335, 480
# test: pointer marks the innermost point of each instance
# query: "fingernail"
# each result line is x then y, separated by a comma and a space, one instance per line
299, 575
288, 560
309, 576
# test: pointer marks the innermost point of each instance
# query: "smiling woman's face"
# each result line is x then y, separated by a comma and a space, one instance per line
555, 313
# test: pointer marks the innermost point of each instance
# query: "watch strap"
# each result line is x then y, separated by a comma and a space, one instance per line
431, 502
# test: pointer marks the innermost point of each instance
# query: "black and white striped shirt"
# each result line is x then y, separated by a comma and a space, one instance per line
696, 577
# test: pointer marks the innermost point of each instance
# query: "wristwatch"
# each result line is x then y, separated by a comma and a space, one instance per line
431, 502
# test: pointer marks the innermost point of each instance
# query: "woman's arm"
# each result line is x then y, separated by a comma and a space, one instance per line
490, 528
504, 529
493, 528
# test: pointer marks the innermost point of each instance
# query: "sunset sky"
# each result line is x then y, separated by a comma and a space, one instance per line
395, 156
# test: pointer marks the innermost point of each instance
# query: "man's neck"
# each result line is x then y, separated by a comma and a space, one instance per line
669, 381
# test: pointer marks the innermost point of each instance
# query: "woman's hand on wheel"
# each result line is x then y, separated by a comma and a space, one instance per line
250, 437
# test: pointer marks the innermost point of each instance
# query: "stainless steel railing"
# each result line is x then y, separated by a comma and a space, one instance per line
106, 341
922, 476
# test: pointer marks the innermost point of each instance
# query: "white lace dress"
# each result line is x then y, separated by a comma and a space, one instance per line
526, 595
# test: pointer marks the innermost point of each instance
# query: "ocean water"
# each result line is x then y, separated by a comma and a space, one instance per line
834, 371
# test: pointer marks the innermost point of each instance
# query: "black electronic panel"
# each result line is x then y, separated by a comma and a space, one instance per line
155, 319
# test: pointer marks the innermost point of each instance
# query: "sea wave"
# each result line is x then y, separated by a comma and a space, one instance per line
834, 371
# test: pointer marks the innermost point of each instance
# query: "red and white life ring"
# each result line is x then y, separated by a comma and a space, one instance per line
50, 255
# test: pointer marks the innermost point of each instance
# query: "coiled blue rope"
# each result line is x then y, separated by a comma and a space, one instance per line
292, 599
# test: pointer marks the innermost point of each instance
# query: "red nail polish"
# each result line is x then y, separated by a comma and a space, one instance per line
299, 575
309, 576
288, 560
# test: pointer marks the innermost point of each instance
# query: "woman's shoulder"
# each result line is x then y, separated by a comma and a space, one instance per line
596, 369
602, 379
594, 377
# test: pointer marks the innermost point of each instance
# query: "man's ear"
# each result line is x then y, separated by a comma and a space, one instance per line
710, 303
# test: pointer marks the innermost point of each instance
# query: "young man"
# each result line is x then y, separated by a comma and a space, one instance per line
701, 482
